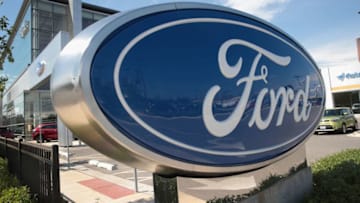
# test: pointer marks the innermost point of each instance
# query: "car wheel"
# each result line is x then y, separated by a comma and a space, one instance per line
353, 128
343, 129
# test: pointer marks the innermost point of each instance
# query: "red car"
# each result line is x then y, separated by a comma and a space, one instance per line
6, 132
45, 131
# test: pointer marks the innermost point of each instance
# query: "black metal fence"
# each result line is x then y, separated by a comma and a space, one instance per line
34, 165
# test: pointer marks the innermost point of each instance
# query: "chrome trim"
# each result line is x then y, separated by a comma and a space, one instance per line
75, 104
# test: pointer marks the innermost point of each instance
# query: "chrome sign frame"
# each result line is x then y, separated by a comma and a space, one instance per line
188, 89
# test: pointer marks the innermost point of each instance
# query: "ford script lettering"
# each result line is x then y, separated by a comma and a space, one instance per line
223, 128
188, 89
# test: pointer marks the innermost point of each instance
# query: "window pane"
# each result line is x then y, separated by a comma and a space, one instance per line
98, 16
45, 20
60, 23
58, 9
44, 6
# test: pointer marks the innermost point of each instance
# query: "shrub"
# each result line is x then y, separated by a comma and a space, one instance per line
15, 195
337, 178
6, 179
10, 190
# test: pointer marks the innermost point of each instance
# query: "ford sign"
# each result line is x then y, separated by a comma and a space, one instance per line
188, 89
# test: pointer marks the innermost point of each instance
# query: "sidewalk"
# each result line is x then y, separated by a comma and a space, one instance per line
82, 182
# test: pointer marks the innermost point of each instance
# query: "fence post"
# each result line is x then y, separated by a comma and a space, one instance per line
55, 174
5, 155
19, 171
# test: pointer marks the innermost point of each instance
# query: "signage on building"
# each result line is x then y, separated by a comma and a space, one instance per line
188, 89
40, 68
24, 29
346, 78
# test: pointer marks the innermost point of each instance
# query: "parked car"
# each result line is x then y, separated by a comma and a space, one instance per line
45, 132
6, 132
356, 108
337, 119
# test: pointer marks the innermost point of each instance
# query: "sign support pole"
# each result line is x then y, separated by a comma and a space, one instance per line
68, 148
136, 180
165, 189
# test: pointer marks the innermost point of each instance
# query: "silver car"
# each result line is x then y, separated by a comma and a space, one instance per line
356, 107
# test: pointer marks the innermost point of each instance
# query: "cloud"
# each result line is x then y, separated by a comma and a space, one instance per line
338, 53
265, 9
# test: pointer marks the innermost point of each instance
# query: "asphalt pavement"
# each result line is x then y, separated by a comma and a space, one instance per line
322, 145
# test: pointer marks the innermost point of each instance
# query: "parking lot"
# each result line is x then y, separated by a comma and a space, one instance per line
319, 146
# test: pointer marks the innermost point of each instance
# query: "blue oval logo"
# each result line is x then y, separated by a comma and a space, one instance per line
207, 87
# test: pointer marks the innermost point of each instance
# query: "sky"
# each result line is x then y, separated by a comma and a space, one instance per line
327, 29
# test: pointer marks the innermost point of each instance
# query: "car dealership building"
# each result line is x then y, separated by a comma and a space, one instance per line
342, 85
44, 27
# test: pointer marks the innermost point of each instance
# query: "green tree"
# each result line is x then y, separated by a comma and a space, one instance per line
5, 53
5, 49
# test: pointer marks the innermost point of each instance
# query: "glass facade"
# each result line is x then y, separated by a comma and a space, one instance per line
42, 21
38, 109
47, 20
14, 115
346, 98
29, 110
89, 17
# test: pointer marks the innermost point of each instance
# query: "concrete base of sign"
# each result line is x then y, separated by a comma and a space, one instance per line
200, 190
290, 189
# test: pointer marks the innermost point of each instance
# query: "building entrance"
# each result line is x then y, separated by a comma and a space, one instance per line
346, 98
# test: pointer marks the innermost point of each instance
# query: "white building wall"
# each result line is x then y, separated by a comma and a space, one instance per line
329, 102
341, 79
33, 74
344, 79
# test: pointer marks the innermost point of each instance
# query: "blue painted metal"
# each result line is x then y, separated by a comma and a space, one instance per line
190, 89
165, 75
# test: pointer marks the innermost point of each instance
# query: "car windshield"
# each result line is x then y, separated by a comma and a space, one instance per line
332, 112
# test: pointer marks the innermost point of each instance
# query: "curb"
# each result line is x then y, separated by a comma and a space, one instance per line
355, 134
107, 166
65, 154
